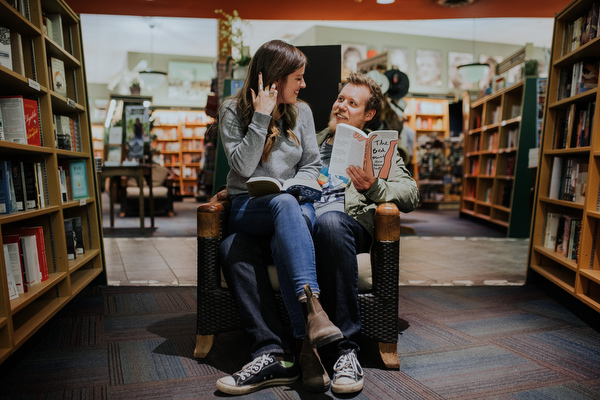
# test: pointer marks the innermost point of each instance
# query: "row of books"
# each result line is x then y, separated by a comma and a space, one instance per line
67, 134
581, 30
568, 179
19, 120
25, 259
573, 126
25, 254
54, 28
563, 234
22, 186
11, 51
578, 78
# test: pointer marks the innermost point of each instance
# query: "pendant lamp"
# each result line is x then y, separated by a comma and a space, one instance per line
150, 77
473, 72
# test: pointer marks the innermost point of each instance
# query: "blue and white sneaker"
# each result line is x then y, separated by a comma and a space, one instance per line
263, 371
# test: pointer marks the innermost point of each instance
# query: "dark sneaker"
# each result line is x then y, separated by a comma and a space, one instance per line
263, 371
347, 374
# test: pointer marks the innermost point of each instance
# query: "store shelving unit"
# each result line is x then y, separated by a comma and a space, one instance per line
22, 317
179, 139
497, 180
578, 275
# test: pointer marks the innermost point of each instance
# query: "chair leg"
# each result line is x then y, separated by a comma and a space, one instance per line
389, 355
203, 345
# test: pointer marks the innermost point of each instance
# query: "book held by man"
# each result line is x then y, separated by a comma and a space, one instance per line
263, 185
375, 151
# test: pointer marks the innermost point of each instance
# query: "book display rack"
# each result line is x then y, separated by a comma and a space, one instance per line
429, 118
49, 200
179, 139
496, 179
566, 221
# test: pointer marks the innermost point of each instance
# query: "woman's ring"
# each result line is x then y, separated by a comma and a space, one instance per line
260, 87
271, 93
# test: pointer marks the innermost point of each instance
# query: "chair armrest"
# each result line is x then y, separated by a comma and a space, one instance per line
387, 222
210, 218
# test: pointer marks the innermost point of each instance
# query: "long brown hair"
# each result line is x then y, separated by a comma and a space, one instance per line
276, 60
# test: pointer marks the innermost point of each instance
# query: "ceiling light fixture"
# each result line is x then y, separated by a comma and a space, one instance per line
473, 72
385, 1
150, 77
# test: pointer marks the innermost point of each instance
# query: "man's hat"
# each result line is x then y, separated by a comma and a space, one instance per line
380, 79
399, 83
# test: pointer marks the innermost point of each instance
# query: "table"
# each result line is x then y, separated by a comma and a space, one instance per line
138, 172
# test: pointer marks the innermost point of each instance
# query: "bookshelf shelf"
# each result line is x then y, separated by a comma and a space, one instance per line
496, 173
32, 79
578, 274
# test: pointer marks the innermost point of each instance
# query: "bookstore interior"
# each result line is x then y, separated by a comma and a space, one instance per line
511, 147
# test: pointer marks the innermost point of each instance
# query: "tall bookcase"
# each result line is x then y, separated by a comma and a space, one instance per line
22, 317
429, 118
497, 181
179, 138
576, 272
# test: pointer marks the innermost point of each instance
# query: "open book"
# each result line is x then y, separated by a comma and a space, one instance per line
375, 152
262, 185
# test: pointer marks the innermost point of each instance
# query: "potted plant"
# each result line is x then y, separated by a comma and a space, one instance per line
231, 35
135, 87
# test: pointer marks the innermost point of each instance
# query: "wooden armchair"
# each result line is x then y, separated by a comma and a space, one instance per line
378, 282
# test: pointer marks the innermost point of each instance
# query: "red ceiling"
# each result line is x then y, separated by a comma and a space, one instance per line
322, 9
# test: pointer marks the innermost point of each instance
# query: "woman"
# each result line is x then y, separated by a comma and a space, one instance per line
266, 131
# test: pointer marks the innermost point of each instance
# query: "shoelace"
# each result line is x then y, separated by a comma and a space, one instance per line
255, 366
348, 366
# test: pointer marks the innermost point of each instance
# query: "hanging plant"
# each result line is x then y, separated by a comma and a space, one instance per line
231, 34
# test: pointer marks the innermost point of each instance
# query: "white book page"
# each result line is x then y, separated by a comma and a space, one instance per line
346, 150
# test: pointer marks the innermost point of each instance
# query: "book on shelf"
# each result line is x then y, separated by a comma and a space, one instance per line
75, 226
551, 230
568, 179
5, 48
70, 238
62, 132
79, 184
13, 292
8, 202
565, 80
18, 59
585, 76
59, 83
40, 184
31, 188
13, 119
54, 28
263, 185
31, 262
12, 248
65, 183
18, 181
32, 122
375, 152
38, 233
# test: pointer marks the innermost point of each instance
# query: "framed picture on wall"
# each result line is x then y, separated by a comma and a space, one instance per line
190, 81
429, 68
351, 55
455, 78
399, 58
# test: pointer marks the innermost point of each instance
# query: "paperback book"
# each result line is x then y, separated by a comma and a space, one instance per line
263, 185
79, 186
375, 151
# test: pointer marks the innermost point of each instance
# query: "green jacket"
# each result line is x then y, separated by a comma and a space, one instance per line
401, 190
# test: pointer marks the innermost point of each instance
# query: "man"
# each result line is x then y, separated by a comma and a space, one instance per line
345, 224
344, 228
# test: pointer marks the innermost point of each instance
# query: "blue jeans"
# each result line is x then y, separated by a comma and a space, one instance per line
338, 239
273, 227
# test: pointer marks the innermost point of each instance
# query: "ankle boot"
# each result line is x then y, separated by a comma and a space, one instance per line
314, 376
319, 329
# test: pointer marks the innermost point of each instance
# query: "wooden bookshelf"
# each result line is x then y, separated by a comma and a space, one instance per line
429, 118
497, 180
576, 273
20, 318
179, 139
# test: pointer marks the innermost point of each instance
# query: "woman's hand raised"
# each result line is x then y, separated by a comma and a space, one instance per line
265, 101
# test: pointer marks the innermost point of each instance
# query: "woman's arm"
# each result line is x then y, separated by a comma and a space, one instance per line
243, 149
